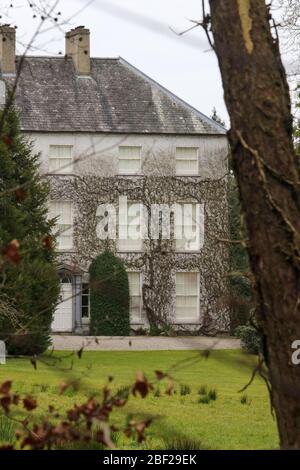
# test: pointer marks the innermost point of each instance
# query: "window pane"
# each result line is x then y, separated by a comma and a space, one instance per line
132, 230
84, 312
187, 160
85, 300
129, 159
60, 158
135, 295
62, 210
187, 228
187, 297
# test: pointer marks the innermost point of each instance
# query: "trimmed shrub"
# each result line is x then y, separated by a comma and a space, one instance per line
250, 340
109, 296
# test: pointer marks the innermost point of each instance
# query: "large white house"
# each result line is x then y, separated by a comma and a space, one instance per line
104, 130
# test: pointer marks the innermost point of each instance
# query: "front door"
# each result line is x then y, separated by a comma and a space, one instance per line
63, 315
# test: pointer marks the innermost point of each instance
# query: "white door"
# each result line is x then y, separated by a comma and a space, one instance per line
63, 315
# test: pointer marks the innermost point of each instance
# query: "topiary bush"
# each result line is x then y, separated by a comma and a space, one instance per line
109, 296
250, 339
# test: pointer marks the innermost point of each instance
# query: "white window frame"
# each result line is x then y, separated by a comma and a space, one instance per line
189, 320
133, 320
178, 242
85, 319
56, 228
121, 243
66, 167
139, 158
180, 172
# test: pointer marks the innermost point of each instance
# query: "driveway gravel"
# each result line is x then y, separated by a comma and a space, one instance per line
142, 343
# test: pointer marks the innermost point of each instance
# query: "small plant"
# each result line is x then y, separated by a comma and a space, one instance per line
245, 400
202, 390
185, 390
157, 393
123, 393
204, 400
212, 394
250, 339
7, 430
182, 443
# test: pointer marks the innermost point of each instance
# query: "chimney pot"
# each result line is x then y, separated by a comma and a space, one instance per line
78, 47
7, 49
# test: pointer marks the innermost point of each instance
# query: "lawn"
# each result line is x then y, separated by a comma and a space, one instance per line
233, 421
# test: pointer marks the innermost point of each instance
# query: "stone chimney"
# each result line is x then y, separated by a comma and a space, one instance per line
78, 47
7, 49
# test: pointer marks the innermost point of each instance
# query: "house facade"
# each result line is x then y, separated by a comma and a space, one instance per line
135, 169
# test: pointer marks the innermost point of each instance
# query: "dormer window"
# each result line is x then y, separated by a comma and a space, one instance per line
60, 159
129, 160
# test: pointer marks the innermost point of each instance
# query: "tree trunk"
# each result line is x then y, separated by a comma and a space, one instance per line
257, 99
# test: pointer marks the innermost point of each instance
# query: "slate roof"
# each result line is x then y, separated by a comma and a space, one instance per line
116, 98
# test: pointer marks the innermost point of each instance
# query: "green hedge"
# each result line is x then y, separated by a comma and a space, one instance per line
250, 339
109, 296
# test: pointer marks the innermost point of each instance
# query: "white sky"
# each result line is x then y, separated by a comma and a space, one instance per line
137, 30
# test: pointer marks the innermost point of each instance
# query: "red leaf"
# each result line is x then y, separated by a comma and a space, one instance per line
5, 402
5, 387
160, 375
11, 252
141, 386
47, 242
7, 140
20, 194
29, 403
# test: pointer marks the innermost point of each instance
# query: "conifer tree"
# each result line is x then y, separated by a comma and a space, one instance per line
28, 276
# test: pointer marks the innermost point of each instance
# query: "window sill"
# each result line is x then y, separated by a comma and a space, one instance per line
187, 174
187, 252
130, 174
50, 173
130, 251
187, 322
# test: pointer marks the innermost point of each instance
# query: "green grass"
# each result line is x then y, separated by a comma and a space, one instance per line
178, 420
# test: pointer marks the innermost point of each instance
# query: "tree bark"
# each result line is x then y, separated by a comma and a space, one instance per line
257, 99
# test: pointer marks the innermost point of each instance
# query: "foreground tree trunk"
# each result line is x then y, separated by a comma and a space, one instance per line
257, 99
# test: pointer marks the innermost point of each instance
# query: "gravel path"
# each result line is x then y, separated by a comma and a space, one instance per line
142, 343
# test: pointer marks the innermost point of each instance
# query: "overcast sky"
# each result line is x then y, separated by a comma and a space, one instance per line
140, 32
